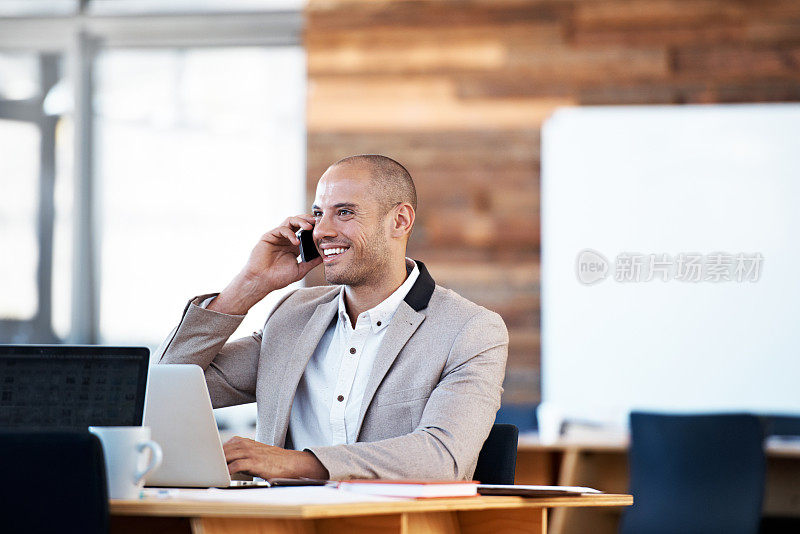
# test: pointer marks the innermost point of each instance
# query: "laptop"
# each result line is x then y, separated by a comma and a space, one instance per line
179, 413
71, 387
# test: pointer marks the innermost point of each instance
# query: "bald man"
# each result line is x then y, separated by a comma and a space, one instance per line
383, 374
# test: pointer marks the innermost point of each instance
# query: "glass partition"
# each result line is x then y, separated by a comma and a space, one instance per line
199, 152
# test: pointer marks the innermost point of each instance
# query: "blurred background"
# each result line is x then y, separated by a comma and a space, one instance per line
145, 145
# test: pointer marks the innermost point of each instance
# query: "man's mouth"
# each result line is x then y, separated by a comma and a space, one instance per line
329, 254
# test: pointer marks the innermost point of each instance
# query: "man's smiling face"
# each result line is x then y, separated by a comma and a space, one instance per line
350, 230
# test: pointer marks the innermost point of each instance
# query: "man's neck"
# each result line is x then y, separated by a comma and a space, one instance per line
361, 298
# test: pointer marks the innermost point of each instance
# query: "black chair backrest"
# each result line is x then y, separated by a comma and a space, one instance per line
695, 474
781, 425
53, 482
497, 460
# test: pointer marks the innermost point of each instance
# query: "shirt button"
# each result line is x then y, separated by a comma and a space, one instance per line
340, 398
352, 350
378, 323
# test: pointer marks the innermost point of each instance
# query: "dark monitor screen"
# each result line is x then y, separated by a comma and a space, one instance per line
72, 387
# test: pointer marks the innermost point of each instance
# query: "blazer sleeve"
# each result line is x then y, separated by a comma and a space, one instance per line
201, 338
455, 422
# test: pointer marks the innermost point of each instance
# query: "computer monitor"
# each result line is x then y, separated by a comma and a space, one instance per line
72, 386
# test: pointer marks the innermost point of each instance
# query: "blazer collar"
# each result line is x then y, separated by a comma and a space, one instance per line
420, 294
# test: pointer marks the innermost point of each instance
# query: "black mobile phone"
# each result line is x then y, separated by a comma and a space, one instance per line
308, 251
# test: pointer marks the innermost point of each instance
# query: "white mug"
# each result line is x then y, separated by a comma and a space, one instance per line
126, 462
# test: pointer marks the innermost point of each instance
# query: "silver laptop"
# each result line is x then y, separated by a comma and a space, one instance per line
178, 411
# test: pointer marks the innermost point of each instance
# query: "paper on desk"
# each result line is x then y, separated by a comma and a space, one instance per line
287, 496
574, 489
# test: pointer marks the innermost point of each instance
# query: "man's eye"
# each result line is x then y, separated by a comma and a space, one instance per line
345, 212
316, 213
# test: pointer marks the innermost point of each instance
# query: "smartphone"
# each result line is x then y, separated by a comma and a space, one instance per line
308, 251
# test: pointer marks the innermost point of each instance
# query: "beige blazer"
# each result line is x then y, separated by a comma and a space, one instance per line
430, 401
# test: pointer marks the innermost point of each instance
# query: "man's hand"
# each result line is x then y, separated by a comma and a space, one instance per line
257, 459
272, 265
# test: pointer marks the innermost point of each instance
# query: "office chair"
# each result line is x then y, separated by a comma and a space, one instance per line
52, 482
781, 425
523, 416
695, 474
498, 457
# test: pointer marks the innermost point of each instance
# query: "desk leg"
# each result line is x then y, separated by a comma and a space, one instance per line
566, 477
606, 471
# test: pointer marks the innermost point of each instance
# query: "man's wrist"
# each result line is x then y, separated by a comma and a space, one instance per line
309, 466
239, 296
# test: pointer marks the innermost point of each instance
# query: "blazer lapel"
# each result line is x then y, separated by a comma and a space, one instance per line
296, 364
404, 323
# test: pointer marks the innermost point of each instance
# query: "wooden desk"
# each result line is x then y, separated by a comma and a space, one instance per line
603, 464
471, 515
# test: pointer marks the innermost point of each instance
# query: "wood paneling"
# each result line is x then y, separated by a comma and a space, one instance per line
457, 91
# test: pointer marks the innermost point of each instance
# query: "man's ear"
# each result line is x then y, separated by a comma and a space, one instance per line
402, 220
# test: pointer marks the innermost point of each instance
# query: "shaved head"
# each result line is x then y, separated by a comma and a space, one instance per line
392, 182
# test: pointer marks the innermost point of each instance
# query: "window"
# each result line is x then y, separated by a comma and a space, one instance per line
27, 172
144, 173
199, 152
19, 247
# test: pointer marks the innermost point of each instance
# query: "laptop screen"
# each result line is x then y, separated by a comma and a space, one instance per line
72, 387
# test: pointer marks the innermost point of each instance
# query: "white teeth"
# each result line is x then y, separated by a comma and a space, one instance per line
332, 251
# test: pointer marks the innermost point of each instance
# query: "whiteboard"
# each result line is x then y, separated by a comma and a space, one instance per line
686, 181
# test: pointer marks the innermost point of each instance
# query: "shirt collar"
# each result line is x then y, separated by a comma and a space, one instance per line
381, 315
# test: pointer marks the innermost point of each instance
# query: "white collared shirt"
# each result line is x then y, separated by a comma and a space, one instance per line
328, 399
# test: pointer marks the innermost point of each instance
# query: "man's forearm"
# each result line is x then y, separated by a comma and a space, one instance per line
309, 466
238, 297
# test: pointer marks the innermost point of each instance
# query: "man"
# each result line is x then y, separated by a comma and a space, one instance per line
383, 375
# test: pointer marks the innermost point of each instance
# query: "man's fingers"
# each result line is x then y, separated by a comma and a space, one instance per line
299, 222
288, 229
237, 454
290, 235
238, 448
280, 233
240, 466
236, 443
307, 217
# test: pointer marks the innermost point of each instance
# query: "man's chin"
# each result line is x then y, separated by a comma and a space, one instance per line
340, 275
333, 275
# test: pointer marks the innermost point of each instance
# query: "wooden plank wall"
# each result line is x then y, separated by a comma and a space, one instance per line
457, 91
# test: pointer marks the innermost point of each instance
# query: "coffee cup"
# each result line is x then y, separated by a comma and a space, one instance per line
127, 462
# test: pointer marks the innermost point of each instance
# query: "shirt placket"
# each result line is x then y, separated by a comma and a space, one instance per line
352, 347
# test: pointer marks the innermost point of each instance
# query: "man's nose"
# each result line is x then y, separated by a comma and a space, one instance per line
323, 228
